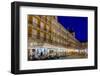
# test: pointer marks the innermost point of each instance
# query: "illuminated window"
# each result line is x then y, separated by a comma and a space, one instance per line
53, 21
41, 25
42, 18
58, 40
47, 28
35, 21
47, 36
34, 33
48, 18
42, 34
54, 39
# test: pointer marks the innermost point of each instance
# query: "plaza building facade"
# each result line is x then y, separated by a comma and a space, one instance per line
46, 33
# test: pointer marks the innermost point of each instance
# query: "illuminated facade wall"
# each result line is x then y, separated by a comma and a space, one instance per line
46, 29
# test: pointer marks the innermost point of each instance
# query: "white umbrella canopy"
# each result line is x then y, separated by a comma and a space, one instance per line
54, 47
47, 47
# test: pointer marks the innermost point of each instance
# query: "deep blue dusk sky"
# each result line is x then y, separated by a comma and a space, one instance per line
77, 24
